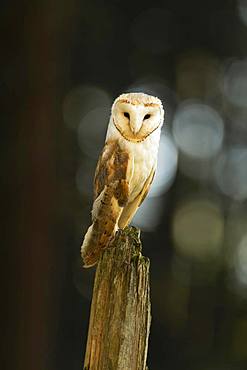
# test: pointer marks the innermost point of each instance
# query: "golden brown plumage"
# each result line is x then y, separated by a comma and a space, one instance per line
111, 192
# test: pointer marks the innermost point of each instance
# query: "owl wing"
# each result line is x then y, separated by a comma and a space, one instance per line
131, 208
114, 169
111, 194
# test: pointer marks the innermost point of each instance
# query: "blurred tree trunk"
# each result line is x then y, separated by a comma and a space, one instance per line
121, 310
38, 79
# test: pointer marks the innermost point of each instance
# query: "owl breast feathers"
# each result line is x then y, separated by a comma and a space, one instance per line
125, 169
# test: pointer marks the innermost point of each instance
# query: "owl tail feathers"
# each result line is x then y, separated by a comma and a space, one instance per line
94, 242
89, 251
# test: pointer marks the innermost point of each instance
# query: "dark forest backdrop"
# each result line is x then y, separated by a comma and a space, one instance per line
62, 64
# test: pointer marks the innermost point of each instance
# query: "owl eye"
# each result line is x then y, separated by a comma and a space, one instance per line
147, 116
126, 114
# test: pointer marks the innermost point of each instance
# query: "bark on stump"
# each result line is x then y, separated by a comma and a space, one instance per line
120, 311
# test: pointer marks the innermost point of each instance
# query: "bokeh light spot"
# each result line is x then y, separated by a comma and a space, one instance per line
197, 75
81, 100
198, 130
148, 216
92, 131
166, 168
241, 261
235, 82
231, 172
242, 11
198, 229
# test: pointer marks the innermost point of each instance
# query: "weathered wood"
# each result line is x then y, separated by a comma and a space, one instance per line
121, 311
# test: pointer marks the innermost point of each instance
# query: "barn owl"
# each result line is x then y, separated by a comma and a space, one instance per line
125, 169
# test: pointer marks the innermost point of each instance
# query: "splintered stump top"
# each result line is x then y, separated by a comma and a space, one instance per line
120, 311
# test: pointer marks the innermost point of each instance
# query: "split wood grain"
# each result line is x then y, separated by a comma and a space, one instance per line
121, 310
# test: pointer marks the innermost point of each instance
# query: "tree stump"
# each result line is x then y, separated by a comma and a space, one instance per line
120, 311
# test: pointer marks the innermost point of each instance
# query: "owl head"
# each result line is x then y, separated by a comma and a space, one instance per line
136, 116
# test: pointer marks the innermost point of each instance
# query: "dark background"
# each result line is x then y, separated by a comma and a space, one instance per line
62, 64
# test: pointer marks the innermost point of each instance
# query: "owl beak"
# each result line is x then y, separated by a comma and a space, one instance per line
135, 125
